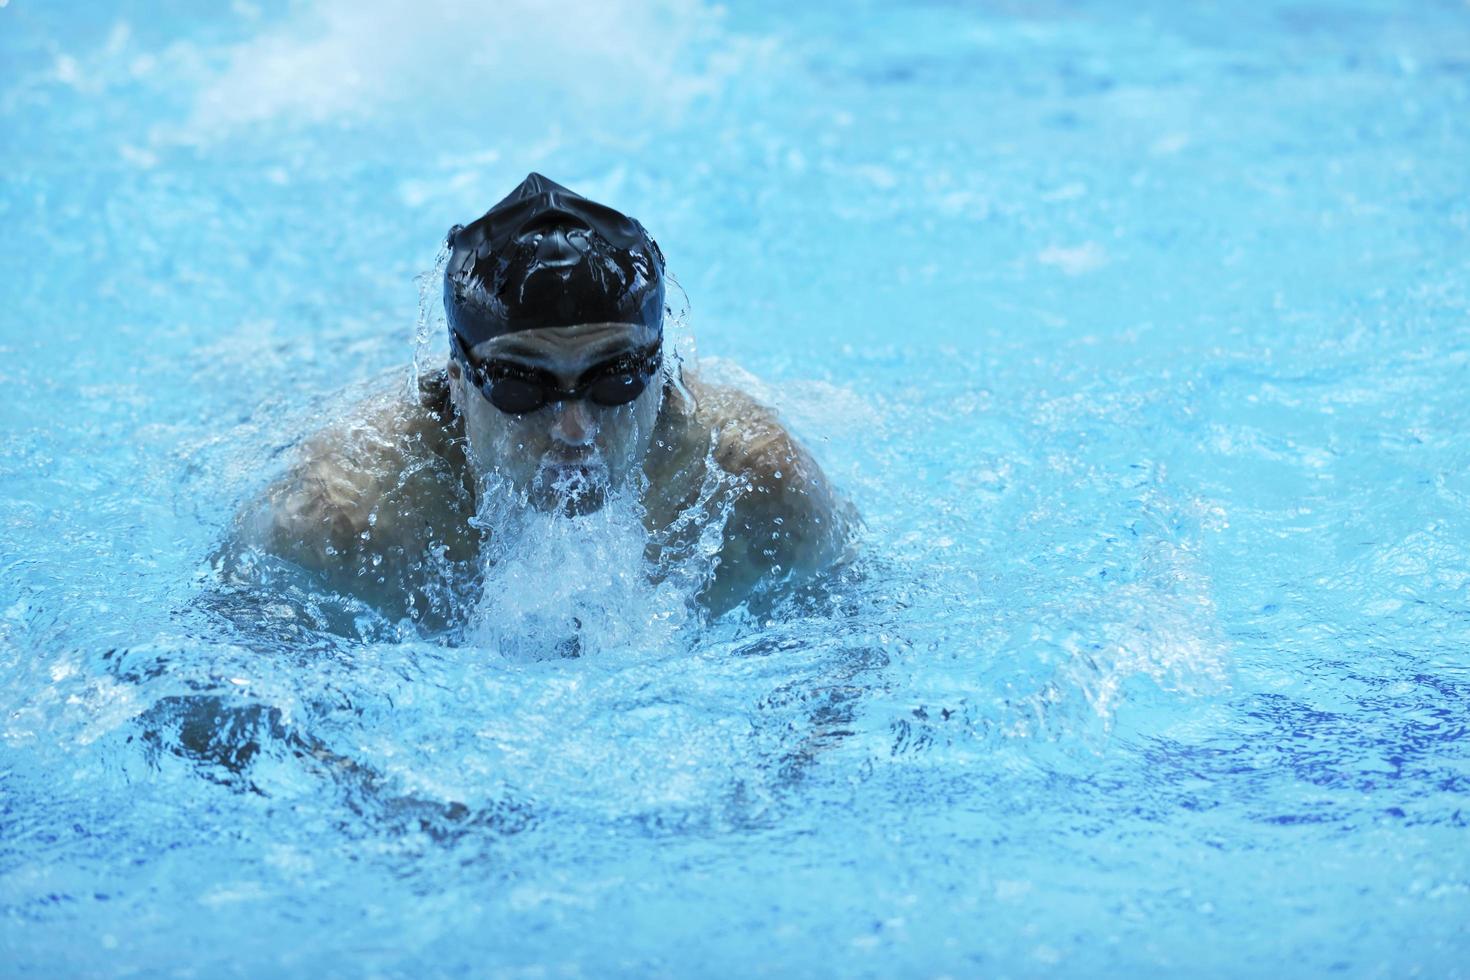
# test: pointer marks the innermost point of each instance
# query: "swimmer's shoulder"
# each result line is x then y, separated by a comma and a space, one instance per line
788, 519
748, 440
341, 492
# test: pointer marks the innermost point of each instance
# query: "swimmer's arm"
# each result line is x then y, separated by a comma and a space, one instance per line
788, 522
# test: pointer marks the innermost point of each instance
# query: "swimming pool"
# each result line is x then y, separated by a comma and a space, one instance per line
1138, 334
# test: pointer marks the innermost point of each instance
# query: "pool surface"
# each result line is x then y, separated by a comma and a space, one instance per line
1138, 333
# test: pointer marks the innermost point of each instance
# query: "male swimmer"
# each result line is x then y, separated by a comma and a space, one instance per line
559, 392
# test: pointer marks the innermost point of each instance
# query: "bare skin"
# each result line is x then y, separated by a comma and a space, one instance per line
396, 479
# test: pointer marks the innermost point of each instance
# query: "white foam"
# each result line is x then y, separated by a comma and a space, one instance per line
570, 585
1087, 257
341, 60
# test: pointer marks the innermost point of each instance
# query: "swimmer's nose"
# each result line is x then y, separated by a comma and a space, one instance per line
575, 425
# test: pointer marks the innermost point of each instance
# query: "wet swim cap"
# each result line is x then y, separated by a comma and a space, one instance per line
548, 257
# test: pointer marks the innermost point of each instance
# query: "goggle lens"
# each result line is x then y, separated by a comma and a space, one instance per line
515, 395
617, 389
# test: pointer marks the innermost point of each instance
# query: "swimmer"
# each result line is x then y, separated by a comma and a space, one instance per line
559, 392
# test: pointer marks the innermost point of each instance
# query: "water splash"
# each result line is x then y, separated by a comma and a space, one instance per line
561, 585
432, 322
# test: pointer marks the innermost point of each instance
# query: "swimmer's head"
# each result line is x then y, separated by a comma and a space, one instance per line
555, 308
548, 257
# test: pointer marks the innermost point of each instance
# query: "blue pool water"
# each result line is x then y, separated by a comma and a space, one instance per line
1138, 333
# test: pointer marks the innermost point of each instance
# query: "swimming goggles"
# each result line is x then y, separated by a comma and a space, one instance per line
516, 389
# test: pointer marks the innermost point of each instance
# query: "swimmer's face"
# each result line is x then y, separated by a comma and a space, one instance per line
565, 454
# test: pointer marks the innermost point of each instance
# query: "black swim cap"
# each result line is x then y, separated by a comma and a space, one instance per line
548, 257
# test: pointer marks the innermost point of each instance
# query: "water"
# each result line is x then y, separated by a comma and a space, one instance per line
1139, 334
